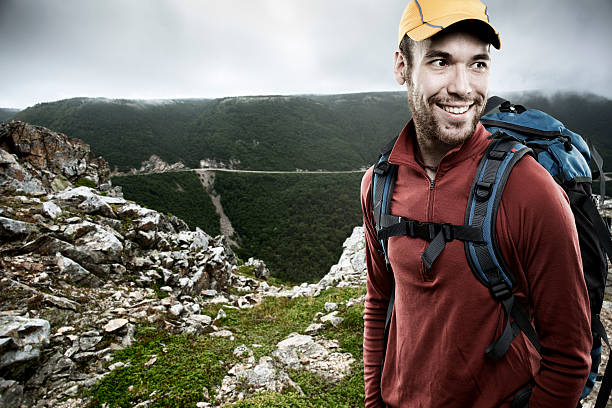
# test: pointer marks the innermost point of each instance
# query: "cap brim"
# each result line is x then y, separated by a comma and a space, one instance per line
426, 30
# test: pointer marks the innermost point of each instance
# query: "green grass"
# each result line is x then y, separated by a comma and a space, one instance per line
276, 318
319, 392
187, 363
85, 182
248, 271
184, 365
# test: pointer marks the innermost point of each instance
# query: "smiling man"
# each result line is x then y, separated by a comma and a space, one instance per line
443, 319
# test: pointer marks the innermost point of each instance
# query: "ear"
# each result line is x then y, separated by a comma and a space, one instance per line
399, 67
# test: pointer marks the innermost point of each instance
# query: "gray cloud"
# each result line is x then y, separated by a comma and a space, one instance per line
53, 49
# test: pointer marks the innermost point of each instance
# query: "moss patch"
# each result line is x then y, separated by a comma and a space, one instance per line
185, 364
85, 182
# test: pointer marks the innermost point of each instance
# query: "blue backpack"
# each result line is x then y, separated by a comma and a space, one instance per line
516, 131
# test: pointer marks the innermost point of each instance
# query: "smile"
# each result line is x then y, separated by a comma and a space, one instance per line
456, 110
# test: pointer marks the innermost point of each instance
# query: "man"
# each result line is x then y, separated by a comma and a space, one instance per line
443, 319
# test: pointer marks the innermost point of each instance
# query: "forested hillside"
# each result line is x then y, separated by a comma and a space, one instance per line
295, 222
263, 133
124, 132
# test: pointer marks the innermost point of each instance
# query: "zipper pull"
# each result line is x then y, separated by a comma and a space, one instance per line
431, 184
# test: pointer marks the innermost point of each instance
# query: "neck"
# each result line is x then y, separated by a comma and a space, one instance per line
431, 151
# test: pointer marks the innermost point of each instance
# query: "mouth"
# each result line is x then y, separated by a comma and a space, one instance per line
455, 110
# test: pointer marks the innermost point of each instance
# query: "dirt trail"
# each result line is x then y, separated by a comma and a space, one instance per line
208, 181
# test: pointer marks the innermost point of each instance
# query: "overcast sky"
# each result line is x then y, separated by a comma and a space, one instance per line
152, 49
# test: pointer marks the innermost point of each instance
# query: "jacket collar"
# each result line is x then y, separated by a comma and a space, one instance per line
404, 148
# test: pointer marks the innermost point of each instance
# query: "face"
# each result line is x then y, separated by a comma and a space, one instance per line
447, 86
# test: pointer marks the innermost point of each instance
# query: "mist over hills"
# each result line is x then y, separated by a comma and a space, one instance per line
7, 113
311, 132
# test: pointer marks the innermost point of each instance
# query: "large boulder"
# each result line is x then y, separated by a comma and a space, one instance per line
43, 156
21, 343
13, 177
11, 229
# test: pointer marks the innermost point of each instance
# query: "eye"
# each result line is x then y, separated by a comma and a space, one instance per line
480, 65
439, 63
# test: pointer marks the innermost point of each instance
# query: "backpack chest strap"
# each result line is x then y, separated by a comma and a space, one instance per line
436, 233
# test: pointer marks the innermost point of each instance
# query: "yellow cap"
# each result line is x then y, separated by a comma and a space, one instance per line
424, 18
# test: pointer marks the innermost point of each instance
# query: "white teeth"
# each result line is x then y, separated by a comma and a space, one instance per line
456, 110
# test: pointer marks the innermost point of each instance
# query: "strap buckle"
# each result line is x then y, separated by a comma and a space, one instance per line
483, 190
496, 154
382, 167
447, 230
431, 230
410, 228
501, 290
509, 107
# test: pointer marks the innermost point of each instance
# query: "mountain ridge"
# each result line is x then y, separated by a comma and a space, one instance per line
285, 132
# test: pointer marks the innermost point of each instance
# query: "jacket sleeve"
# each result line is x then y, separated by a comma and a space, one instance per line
379, 285
536, 221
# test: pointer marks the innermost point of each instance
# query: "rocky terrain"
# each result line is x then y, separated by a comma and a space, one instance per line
81, 269
153, 164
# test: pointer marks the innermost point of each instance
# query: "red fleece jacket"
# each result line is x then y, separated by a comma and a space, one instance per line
444, 318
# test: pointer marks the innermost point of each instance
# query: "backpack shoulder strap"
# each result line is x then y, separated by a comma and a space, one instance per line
383, 180
485, 257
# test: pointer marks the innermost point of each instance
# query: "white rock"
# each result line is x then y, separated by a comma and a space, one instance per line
224, 334
177, 309
314, 328
199, 240
115, 325
51, 210
27, 338
64, 329
209, 292
78, 194
116, 365
333, 318
87, 343
295, 340
103, 242
202, 319
95, 205
329, 306
75, 273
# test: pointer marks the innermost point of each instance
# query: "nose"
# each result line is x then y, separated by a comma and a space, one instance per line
460, 82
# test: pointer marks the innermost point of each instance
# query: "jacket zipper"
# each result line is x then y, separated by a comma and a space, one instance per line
427, 274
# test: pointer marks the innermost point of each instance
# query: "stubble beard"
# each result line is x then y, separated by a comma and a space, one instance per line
430, 130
